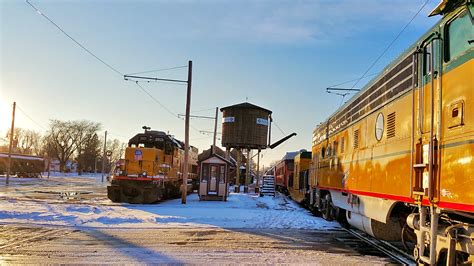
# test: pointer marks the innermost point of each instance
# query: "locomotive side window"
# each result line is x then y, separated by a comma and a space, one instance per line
460, 36
168, 148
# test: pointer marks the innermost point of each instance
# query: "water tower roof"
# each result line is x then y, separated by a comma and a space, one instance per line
245, 105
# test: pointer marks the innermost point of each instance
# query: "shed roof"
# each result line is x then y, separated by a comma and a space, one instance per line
245, 105
218, 152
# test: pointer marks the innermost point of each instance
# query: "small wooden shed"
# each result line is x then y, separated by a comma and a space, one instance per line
214, 176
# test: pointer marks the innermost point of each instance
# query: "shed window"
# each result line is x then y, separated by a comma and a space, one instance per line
205, 172
222, 173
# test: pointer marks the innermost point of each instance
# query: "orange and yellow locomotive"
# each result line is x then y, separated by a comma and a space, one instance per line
397, 160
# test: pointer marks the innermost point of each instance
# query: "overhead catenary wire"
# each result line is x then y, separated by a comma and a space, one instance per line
30, 118
203, 110
108, 65
156, 100
390, 44
157, 70
74, 40
348, 81
154, 81
279, 128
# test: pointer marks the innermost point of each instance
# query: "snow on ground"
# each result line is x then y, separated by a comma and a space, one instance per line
239, 211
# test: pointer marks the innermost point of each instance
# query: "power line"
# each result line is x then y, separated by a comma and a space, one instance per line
203, 110
74, 40
153, 81
109, 66
391, 43
156, 70
164, 107
282, 132
156, 100
348, 81
29, 117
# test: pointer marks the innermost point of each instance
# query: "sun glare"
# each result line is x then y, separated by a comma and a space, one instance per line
5, 117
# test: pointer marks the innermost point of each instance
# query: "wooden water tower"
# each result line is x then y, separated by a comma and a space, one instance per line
245, 126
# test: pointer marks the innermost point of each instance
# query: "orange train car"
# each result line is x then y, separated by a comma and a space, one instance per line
397, 160
283, 172
298, 187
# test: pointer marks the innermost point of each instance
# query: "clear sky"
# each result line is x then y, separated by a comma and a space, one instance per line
280, 55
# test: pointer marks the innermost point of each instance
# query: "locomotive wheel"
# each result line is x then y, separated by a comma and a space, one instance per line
328, 212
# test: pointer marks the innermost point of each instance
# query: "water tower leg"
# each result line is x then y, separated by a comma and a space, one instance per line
237, 172
247, 173
257, 186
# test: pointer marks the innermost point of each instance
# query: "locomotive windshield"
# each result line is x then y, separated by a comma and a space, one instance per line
150, 139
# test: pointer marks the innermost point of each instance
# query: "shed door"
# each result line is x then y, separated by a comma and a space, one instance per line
214, 178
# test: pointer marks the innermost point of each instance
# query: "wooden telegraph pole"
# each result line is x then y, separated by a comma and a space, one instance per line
12, 130
215, 130
103, 156
184, 191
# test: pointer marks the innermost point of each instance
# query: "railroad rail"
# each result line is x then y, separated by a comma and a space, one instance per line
385, 247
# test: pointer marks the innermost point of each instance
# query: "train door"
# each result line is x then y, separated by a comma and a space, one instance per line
425, 137
427, 112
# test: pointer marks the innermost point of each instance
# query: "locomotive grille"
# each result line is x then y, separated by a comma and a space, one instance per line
356, 139
342, 145
391, 125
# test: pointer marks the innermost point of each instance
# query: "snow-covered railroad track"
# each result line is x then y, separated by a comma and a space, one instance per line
15, 237
384, 247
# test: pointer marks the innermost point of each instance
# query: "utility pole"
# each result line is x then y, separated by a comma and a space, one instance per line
12, 130
186, 123
103, 156
215, 130
186, 134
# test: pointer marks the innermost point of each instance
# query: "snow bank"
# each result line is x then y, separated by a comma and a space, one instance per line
240, 211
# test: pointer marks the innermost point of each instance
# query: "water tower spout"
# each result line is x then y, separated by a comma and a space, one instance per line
281, 140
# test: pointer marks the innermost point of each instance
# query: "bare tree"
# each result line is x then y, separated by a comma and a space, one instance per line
117, 149
86, 133
64, 138
25, 141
